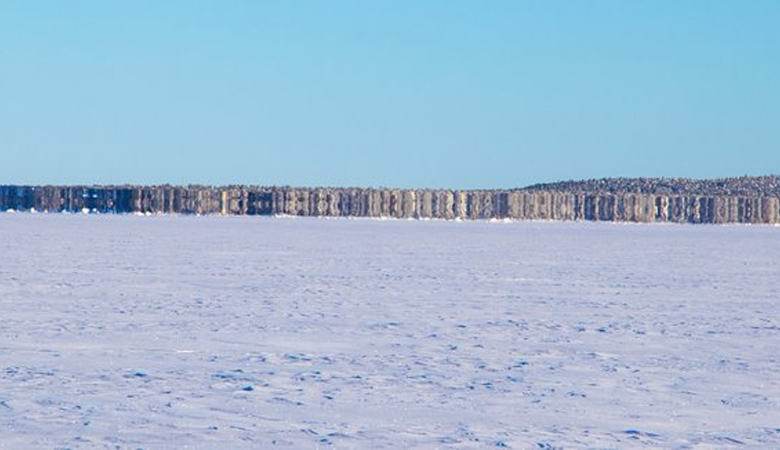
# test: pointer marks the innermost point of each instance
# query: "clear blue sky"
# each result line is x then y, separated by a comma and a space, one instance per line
392, 93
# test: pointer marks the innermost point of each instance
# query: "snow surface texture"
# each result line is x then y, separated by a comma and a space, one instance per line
248, 332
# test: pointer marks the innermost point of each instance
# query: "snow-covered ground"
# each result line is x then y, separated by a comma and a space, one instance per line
248, 332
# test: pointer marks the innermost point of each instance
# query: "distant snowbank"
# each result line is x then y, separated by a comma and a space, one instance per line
492, 221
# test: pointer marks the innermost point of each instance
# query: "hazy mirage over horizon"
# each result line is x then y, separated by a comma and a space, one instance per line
441, 94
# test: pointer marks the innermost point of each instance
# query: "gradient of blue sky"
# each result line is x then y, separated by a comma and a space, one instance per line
394, 93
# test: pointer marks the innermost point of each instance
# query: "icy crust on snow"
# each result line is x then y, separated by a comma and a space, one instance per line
247, 332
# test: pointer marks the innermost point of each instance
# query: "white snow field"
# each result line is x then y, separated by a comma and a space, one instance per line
248, 332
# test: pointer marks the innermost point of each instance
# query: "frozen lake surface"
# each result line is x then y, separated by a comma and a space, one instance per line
248, 332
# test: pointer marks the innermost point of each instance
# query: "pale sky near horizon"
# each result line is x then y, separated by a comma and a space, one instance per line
433, 93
